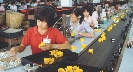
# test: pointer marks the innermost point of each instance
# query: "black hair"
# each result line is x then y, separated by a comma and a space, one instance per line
77, 13
45, 13
22, 3
13, 2
88, 9
0, 4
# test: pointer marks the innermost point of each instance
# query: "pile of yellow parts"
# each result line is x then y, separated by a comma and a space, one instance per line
81, 39
102, 38
48, 60
90, 51
41, 44
56, 53
83, 46
73, 48
70, 69
110, 28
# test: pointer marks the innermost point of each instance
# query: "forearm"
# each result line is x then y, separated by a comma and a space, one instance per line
20, 48
90, 35
61, 46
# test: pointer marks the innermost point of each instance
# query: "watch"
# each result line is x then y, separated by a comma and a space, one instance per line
56, 46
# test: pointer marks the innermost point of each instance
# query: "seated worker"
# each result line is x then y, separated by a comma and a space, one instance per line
7, 7
81, 27
103, 13
87, 14
44, 30
23, 6
13, 6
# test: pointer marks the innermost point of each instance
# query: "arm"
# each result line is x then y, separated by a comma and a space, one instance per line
20, 48
65, 45
89, 30
61, 41
95, 22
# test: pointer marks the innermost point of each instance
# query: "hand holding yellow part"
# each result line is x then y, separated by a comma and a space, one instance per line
83, 46
90, 51
73, 47
41, 44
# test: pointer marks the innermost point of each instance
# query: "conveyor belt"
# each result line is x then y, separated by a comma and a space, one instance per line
103, 52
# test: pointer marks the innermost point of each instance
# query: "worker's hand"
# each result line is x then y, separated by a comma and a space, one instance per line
13, 51
47, 46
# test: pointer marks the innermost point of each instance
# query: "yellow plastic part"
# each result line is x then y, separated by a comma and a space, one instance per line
51, 61
90, 51
83, 46
100, 40
46, 60
56, 53
104, 38
97, 30
108, 30
41, 44
73, 48
72, 34
114, 24
69, 68
81, 39
79, 70
61, 70
101, 71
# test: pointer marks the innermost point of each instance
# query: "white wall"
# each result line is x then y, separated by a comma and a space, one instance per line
1, 1
66, 3
96, 1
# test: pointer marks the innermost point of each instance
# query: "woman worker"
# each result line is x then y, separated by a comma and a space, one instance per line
35, 35
87, 15
80, 26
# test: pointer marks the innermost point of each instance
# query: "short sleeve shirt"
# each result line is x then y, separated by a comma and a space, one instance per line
83, 27
34, 38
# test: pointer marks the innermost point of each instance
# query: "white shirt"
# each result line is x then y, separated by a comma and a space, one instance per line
28, 4
35, 4
120, 7
84, 27
95, 15
91, 20
103, 14
13, 8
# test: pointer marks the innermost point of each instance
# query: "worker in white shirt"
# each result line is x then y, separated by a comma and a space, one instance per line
34, 4
95, 13
87, 14
23, 6
103, 14
13, 6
